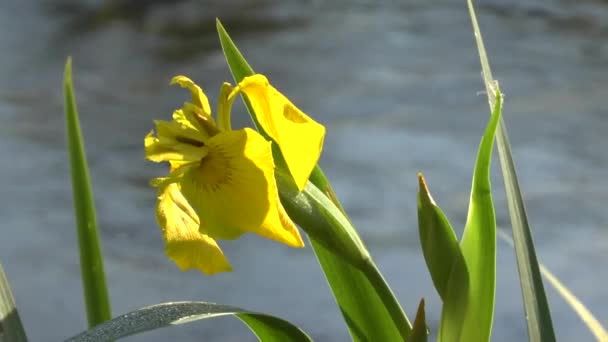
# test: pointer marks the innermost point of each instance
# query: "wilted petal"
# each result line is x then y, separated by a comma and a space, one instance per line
299, 137
185, 245
233, 189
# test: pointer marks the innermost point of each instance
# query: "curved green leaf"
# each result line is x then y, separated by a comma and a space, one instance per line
439, 243
368, 305
267, 328
445, 262
464, 275
478, 243
538, 315
91, 259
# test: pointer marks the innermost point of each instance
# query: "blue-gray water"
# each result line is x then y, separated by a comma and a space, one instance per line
398, 87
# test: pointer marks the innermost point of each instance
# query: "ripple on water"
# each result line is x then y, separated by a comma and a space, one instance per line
397, 85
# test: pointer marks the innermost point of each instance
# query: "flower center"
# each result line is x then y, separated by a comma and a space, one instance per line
189, 141
215, 169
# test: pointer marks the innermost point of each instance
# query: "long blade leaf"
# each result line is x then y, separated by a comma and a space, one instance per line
91, 259
592, 323
540, 326
267, 328
11, 328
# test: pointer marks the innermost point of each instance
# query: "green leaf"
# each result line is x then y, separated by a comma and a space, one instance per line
419, 330
540, 326
478, 243
439, 243
593, 324
465, 275
365, 300
368, 305
445, 262
11, 328
267, 328
91, 259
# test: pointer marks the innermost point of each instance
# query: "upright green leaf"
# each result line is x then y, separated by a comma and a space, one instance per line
464, 275
368, 305
540, 326
11, 328
439, 243
91, 259
445, 262
267, 328
478, 243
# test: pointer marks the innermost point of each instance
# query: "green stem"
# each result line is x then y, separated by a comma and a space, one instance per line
369, 268
387, 296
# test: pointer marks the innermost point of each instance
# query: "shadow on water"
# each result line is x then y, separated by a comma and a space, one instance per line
185, 29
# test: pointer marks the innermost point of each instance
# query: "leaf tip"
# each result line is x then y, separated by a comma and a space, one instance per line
422, 182
420, 314
67, 75
419, 331
218, 25
424, 192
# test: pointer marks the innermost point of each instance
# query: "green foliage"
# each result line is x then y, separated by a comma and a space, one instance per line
464, 275
478, 243
267, 328
593, 324
419, 331
538, 315
91, 258
439, 243
445, 262
11, 328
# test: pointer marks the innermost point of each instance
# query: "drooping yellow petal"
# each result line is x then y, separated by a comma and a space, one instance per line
185, 245
299, 137
233, 190
198, 96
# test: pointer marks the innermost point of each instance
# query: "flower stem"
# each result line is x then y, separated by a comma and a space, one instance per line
369, 268
388, 298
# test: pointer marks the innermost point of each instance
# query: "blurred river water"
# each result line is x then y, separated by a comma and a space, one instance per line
398, 86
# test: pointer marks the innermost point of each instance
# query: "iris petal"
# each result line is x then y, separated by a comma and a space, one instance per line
185, 245
234, 190
299, 137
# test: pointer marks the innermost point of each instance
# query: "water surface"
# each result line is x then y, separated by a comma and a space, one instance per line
398, 88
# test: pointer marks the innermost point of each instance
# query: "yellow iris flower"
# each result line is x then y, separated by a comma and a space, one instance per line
221, 184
